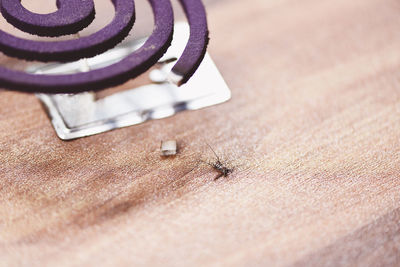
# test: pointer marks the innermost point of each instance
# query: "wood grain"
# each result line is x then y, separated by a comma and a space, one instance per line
313, 127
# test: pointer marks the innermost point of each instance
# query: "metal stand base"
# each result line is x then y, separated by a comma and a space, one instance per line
80, 115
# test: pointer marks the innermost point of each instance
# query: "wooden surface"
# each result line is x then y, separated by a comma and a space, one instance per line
313, 128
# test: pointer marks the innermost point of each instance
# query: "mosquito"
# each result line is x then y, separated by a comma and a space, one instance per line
222, 169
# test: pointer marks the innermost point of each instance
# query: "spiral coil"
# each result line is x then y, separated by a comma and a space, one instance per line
67, 21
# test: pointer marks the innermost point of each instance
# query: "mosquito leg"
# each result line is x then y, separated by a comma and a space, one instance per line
218, 176
213, 151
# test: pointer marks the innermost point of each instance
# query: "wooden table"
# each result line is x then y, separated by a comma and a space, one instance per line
313, 130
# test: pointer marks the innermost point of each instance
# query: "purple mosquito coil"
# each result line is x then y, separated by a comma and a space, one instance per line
67, 21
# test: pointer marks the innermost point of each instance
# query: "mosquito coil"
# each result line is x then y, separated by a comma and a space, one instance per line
67, 21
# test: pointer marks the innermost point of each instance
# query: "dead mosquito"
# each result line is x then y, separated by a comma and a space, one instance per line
220, 167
